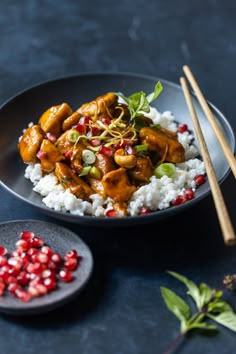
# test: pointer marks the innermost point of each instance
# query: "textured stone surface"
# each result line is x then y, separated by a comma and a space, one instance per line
121, 310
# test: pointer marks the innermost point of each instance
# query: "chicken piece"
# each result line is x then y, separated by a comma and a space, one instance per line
143, 171
102, 104
73, 119
116, 185
63, 143
30, 143
166, 145
168, 132
51, 120
71, 151
105, 164
50, 155
69, 180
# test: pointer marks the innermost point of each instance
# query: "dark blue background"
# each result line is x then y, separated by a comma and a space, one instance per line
121, 310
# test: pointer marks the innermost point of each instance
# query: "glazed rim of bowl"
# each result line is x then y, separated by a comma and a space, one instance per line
97, 221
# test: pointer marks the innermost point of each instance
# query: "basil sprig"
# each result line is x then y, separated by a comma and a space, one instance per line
209, 304
139, 102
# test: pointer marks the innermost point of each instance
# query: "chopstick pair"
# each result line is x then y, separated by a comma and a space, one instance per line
223, 216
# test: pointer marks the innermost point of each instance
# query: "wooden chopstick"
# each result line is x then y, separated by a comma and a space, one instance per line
223, 216
224, 145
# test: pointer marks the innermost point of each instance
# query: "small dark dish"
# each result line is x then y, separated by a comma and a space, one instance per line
75, 90
60, 240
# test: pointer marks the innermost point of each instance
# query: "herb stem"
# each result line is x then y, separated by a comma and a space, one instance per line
174, 343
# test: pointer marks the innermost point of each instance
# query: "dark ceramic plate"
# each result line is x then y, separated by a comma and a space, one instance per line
30, 104
60, 240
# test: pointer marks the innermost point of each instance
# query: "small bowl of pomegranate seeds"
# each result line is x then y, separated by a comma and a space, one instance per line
109, 149
42, 266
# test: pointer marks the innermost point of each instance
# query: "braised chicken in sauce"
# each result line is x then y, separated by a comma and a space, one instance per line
99, 148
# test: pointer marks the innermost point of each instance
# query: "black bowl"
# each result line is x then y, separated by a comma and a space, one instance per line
75, 90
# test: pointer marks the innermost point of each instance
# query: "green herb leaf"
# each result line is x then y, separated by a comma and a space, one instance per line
209, 303
206, 293
177, 306
193, 289
218, 306
227, 319
139, 102
202, 325
157, 90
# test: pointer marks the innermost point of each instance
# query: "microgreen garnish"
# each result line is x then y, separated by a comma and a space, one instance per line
209, 304
139, 102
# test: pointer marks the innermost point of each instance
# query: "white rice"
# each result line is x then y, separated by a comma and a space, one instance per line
158, 194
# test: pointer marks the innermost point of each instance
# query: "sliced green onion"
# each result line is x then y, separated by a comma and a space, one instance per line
85, 171
157, 126
142, 147
88, 156
95, 173
72, 136
165, 169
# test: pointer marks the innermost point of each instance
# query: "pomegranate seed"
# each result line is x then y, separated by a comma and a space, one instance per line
178, 200
107, 151
82, 129
23, 245
16, 262
189, 194
48, 273
33, 292
50, 284
13, 287
95, 142
3, 251
106, 120
145, 211
182, 128
3, 261
56, 258
53, 266
117, 146
2, 284
68, 155
130, 150
27, 235
34, 268
112, 213
42, 289
38, 242
71, 254
52, 137
31, 251
13, 271
41, 258
16, 253
2, 288
85, 120
71, 263
93, 131
23, 278
10, 279
36, 281
22, 295
26, 258
41, 154
65, 275
200, 179
47, 250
